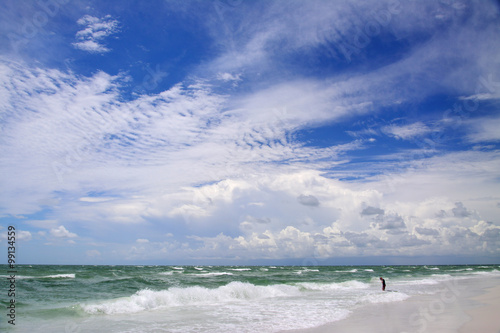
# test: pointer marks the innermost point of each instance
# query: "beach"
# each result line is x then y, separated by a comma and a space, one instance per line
463, 306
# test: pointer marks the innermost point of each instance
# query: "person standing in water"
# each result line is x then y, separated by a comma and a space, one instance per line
383, 283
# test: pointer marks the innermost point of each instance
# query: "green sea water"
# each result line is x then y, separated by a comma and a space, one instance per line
53, 298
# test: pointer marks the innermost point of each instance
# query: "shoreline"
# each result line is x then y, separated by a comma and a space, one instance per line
462, 306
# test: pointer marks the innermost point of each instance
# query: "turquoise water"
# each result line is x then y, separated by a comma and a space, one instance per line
211, 298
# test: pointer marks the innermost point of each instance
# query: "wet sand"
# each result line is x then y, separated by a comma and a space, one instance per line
462, 306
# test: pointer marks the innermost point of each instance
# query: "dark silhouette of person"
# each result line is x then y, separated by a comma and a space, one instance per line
383, 283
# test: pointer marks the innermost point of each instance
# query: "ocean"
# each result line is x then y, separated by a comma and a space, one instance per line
53, 298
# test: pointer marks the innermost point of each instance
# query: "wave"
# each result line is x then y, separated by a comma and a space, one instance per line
369, 270
211, 274
240, 269
60, 276
55, 276
352, 284
147, 299
442, 275
493, 272
305, 270
350, 271
432, 268
461, 270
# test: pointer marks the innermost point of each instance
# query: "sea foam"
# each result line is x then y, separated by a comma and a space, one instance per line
347, 285
55, 276
147, 299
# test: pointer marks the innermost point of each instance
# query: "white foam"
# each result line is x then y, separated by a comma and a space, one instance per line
305, 270
55, 276
424, 281
150, 300
351, 271
385, 297
212, 274
60, 276
368, 270
493, 272
352, 284
240, 269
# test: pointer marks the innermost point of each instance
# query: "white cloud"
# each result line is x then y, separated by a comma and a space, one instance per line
93, 253
230, 170
44, 224
62, 232
20, 235
372, 211
308, 200
24, 235
484, 130
96, 29
228, 77
95, 199
407, 132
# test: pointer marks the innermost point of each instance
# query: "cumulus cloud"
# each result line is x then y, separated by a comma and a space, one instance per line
460, 210
308, 200
24, 235
427, 231
62, 232
372, 211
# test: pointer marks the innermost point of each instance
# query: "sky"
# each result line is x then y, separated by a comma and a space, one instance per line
237, 132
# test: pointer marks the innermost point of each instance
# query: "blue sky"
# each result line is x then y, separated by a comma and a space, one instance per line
234, 131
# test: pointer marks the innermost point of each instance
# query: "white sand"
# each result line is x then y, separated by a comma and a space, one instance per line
486, 317
467, 306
